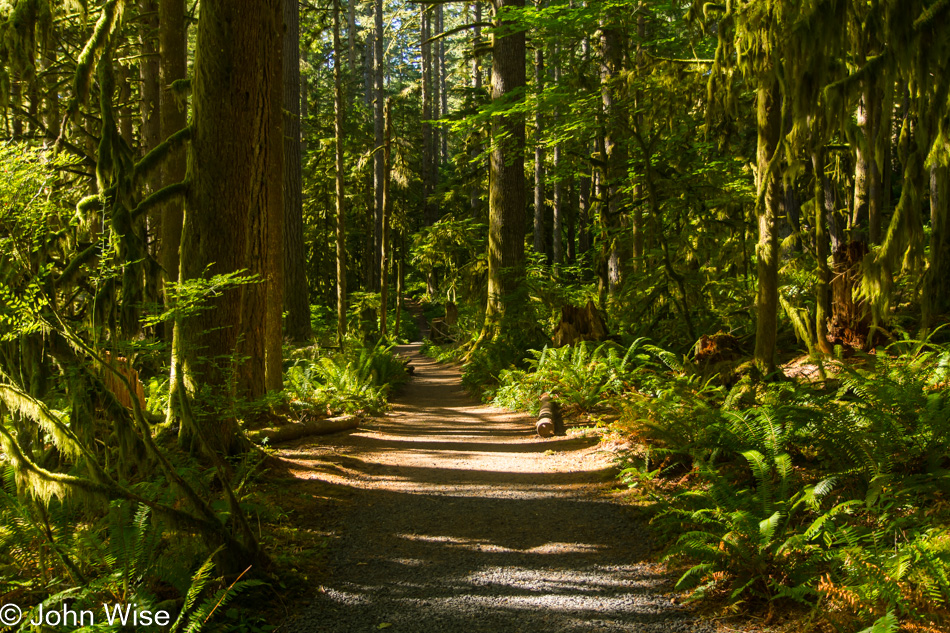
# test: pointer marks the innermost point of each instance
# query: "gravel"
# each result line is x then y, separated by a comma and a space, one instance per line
462, 520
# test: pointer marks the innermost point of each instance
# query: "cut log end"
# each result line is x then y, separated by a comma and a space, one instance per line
545, 427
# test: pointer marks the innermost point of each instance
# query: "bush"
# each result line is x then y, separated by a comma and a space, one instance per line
356, 380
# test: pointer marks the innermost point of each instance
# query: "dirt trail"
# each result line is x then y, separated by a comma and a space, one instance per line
461, 519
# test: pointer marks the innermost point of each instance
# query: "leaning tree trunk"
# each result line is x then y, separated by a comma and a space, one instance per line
507, 182
769, 186
231, 159
297, 289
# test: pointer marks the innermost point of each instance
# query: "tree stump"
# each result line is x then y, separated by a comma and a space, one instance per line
580, 324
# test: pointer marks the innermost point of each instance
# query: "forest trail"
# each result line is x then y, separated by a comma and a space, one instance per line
457, 517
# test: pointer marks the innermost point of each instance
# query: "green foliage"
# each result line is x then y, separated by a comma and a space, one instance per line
753, 537
830, 494
356, 380
451, 250
583, 376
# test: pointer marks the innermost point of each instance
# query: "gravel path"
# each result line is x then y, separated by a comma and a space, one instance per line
461, 519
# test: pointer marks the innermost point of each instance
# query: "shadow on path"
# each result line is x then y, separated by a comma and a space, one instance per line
459, 518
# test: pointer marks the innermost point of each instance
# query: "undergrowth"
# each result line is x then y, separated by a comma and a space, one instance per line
357, 379
830, 495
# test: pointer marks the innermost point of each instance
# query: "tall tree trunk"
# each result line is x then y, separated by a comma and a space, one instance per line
174, 117
859, 211
150, 93
387, 212
557, 230
583, 213
507, 181
368, 58
443, 92
400, 284
824, 205
476, 85
351, 32
769, 186
379, 169
125, 101
936, 294
236, 116
571, 253
540, 243
877, 138
638, 228
615, 155
428, 159
262, 330
297, 289
340, 229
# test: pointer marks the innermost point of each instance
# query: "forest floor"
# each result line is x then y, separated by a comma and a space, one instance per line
446, 515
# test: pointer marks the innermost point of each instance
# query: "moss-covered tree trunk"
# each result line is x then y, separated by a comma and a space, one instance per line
770, 191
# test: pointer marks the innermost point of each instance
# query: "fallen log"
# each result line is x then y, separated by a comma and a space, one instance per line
550, 421
303, 429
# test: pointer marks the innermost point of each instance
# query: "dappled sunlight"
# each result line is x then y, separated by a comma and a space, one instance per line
461, 515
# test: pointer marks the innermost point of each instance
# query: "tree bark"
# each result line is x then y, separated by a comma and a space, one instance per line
824, 198
507, 181
387, 212
443, 92
430, 213
769, 186
174, 116
583, 214
557, 228
351, 32
615, 154
340, 228
150, 93
540, 243
476, 84
379, 91
297, 289
237, 145
936, 294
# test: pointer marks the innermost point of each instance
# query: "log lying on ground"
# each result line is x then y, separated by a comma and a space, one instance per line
549, 418
303, 429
